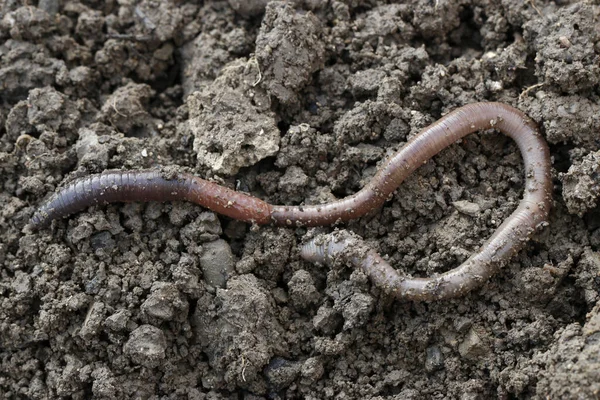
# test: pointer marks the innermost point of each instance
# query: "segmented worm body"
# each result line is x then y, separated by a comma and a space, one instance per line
119, 186
149, 185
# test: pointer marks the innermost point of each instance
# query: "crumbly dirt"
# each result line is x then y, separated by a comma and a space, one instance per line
294, 102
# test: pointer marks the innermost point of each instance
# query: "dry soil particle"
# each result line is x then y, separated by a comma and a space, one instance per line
573, 364
26, 66
239, 332
295, 102
567, 119
564, 44
217, 263
581, 184
125, 109
146, 346
231, 102
289, 50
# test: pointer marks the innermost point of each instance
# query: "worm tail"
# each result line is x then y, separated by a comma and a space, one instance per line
352, 250
324, 249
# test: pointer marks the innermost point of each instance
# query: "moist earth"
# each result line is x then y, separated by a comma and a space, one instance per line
294, 102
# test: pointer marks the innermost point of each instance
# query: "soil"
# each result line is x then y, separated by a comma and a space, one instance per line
294, 102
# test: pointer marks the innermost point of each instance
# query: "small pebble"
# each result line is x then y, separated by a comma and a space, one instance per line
356, 312
146, 346
22, 283
327, 320
472, 347
461, 324
312, 369
434, 359
90, 152
165, 303
247, 8
118, 321
205, 228
93, 320
217, 263
103, 241
302, 290
280, 373
466, 207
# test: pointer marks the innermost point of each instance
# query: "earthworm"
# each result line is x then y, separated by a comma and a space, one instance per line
532, 212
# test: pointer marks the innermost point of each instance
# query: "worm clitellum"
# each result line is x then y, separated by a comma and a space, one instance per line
510, 237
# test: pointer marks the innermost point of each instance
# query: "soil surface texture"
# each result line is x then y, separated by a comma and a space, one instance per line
294, 102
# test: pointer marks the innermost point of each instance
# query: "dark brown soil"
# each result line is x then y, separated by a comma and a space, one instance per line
294, 102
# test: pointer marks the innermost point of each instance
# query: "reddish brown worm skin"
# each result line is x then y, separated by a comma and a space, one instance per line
508, 239
125, 186
149, 185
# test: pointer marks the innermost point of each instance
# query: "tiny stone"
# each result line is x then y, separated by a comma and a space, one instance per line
117, 321
472, 346
466, 207
181, 213
303, 292
327, 320
280, 373
205, 228
312, 369
22, 283
462, 324
102, 241
366, 82
248, 8
356, 311
165, 303
146, 346
93, 285
90, 152
434, 359
93, 320
77, 302
217, 263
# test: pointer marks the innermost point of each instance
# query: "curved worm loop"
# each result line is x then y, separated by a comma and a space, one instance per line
508, 239
124, 186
